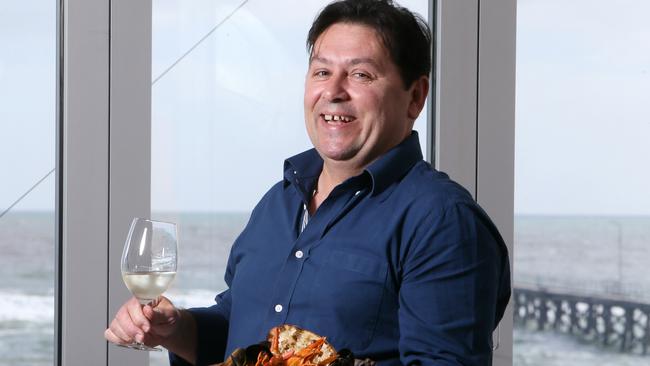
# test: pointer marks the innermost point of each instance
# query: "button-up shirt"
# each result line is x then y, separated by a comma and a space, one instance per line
399, 264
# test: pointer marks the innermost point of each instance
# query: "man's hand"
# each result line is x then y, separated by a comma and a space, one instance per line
152, 324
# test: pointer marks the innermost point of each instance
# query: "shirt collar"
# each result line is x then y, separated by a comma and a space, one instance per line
394, 164
303, 169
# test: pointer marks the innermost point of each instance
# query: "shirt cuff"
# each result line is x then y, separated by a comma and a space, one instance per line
211, 336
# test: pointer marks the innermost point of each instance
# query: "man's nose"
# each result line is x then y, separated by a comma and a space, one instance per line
336, 90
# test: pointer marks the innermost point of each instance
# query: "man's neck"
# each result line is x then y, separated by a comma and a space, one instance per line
334, 174
331, 176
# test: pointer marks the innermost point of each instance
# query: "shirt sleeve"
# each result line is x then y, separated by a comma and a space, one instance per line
212, 322
211, 332
455, 285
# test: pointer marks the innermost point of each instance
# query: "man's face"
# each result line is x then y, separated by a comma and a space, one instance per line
356, 106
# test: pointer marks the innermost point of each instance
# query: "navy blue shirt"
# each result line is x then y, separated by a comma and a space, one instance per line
398, 264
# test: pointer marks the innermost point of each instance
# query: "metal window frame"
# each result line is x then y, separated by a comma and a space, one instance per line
475, 113
83, 177
130, 145
496, 133
103, 167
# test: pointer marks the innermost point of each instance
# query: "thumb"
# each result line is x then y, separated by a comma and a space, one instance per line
160, 311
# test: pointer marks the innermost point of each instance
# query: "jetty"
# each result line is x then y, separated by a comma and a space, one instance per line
608, 319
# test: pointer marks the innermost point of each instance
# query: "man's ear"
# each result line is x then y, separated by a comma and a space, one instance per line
418, 91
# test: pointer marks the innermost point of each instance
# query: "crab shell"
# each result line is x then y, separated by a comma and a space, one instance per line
260, 355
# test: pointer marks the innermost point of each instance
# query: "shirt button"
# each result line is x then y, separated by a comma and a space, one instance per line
357, 193
299, 254
278, 308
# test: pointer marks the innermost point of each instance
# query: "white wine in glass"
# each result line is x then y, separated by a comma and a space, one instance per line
149, 262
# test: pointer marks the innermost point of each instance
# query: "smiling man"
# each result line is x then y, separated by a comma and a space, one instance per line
357, 107
362, 241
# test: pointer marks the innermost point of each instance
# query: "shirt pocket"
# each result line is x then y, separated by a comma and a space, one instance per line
347, 296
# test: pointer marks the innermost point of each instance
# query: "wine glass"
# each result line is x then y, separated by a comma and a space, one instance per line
149, 262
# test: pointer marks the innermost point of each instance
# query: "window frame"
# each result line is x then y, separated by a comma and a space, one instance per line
104, 79
82, 178
475, 114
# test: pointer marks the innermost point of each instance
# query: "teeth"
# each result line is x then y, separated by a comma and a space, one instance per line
332, 117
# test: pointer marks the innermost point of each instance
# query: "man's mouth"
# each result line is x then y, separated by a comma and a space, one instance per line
337, 119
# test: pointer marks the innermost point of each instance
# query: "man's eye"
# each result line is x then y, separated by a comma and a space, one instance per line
321, 73
361, 75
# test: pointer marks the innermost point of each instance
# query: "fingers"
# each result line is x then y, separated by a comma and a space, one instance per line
128, 325
144, 324
111, 337
162, 311
163, 317
134, 315
131, 320
119, 331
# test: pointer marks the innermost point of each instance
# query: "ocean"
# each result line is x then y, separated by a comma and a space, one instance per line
612, 253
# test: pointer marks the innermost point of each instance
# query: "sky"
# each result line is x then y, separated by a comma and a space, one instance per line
225, 118
582, 117
27, 102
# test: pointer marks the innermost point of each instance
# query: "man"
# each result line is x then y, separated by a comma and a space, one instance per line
362, 241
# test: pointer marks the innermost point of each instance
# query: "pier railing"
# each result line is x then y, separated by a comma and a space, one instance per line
612, 320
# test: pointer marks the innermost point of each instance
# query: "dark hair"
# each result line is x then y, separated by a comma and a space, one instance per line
405, 35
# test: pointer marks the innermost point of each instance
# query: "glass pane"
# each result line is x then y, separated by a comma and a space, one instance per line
27, 157
224, 118
582, 208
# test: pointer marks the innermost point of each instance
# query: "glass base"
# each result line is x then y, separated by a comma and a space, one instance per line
140, 347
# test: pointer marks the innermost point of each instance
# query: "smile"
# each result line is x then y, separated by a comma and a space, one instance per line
337, 118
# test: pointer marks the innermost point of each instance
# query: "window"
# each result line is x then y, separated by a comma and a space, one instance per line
226, 111
582, 208
27, 197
